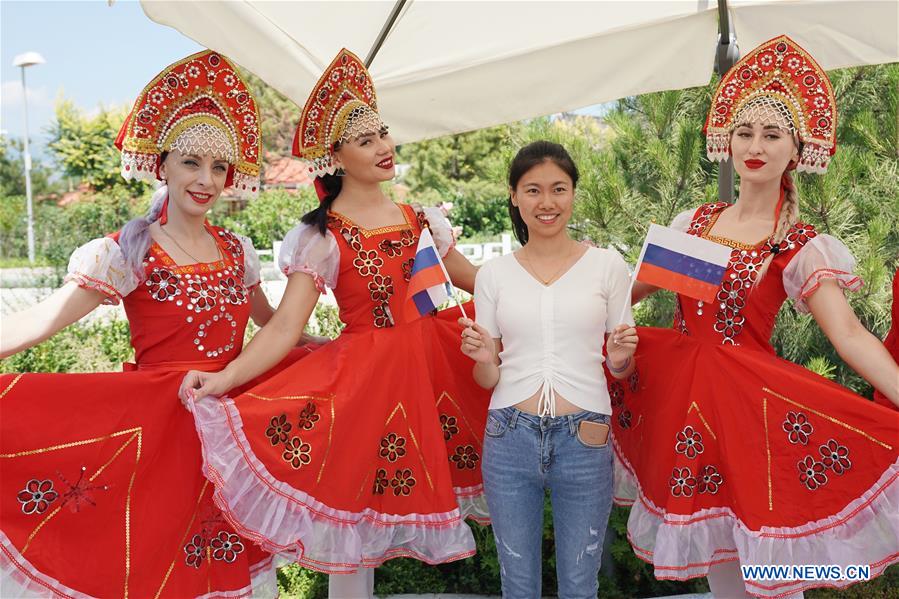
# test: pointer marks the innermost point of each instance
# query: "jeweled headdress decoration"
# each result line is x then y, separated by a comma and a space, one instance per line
341, 107
778, 83
198, 105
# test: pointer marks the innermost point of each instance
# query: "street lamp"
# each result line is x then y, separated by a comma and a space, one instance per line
26, 60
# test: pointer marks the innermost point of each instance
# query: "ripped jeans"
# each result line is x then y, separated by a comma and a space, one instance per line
524, 455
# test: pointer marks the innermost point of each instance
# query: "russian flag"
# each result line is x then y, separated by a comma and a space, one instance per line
682, 263
429, 285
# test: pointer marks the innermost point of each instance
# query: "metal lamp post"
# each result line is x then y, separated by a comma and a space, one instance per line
26, 60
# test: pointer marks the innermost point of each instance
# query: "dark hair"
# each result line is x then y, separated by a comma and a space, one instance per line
528, 157
332, 184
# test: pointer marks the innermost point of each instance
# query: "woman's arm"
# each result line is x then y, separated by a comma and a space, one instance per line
621, 344
267, 348
38, 323
856, 345
260, 310
641, 291
478, 345
460, 270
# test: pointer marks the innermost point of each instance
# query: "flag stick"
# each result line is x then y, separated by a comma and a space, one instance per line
630, 289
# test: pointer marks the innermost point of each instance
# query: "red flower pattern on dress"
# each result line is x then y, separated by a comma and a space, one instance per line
811, 473
633, 381
835, 456
448, 424
37, 496
308, 417
729, 323
391, 248
232, 243
709, 480
407, 269
383, 318
682, 482
732, 294
233, 291
297, 453
278, 429
465, 456
798, 427
201, 294
381, 288
616, 394
393, 447
747, 265
194, 550
226, 546
163, 285
368, 262
381, 482
352, 237
402, 482
689, 442
624, 418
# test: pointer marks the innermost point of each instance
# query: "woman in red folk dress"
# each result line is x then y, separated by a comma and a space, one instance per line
369, 448
103, 493
729, 454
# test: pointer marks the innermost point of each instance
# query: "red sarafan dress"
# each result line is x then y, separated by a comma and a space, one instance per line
728, 452
102, 490
892, 340
369, 448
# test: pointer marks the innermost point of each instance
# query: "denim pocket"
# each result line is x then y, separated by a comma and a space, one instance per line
593, 432
496, 425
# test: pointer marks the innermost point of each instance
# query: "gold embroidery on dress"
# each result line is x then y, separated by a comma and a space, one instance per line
695, 406
461, 413
768, 452
193, 517
11, 385
731, 243
373, 232
830, 418
136, 433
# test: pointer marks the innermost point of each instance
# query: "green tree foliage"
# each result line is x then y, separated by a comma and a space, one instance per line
83, 146
12, 170
279, 115
270, 216
467, 170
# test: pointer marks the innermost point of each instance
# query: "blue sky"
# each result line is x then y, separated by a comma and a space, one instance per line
96, 55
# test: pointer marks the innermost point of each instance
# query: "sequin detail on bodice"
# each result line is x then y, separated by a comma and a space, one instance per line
745, 307
190, 313
375, 267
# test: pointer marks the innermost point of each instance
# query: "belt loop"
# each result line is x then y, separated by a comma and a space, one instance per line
514, 418
572, 425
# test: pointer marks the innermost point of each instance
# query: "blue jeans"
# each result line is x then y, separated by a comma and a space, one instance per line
524, 455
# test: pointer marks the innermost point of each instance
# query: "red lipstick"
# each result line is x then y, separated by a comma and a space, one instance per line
754, 163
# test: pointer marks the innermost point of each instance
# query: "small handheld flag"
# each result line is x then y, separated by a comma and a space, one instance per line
429, 284
682, 263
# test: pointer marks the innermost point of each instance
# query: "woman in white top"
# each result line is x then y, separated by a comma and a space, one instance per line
543, 313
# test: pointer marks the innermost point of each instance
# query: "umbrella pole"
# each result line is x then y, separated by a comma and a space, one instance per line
726, 55
385, 30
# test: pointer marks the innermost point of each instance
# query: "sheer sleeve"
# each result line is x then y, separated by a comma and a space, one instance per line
441, 229
99, 264
682, 221
824, 257
306, 250
485, 299
252, 269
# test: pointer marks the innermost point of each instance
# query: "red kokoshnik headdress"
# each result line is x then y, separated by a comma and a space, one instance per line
198, 105
777, 83
341, 107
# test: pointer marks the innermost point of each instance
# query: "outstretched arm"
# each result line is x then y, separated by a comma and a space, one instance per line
38, 323
856, 345
267, 348
460, 270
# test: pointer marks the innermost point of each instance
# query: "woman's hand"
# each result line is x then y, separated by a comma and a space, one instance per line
477, 343
197, 384
620, 346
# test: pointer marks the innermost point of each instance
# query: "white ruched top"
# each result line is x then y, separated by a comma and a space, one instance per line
553, 336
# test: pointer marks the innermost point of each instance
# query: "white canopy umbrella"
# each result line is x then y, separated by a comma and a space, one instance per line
444, 67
